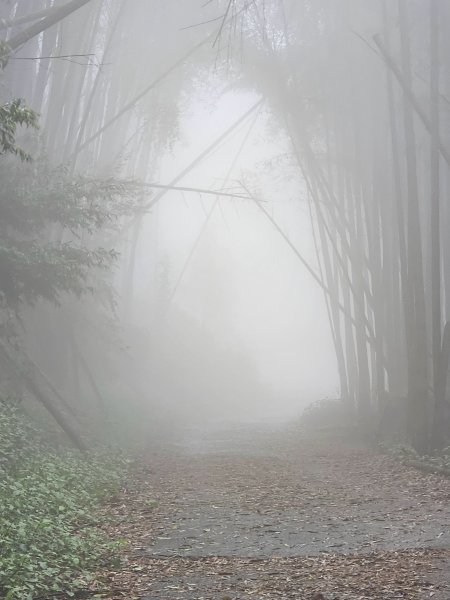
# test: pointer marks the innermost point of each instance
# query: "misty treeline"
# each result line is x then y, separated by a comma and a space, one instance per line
91, 94
362, 89
362, 92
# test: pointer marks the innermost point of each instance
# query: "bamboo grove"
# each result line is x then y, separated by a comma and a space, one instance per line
363, 98
108, 116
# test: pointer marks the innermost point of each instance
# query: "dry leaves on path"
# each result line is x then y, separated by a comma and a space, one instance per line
274, 517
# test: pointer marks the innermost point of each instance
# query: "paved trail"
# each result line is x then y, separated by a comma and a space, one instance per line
253, 512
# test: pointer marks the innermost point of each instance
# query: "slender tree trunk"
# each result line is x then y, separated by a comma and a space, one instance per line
417, 367
436, 312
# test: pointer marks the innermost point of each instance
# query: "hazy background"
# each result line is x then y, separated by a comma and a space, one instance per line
244, 284
206, 315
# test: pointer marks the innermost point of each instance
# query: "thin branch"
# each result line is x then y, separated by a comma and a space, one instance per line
66, 58
195, 190
202, 23
51, 57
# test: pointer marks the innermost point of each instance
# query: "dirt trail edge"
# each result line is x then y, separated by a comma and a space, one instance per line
264, 513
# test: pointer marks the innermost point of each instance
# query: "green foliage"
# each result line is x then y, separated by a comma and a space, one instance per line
53, 225
49, 542
32, 271
12, 115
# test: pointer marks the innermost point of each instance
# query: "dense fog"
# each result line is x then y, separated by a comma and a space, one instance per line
226, 210
224, 299
243, 285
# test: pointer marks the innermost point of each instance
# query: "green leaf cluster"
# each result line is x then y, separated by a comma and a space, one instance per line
12, 115
49, 541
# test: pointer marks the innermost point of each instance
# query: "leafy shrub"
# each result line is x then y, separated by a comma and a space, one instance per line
48, 541
438, 463
326, 413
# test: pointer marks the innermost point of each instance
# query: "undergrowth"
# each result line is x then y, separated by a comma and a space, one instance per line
49, 544
327, 413
437, 463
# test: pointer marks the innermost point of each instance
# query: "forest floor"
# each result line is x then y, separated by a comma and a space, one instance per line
268, 513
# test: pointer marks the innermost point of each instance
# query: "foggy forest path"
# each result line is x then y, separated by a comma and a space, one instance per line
256, 512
